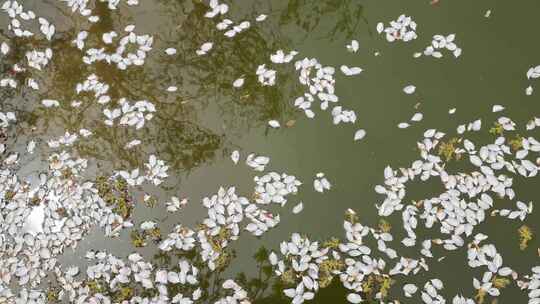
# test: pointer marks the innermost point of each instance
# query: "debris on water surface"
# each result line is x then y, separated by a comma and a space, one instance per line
360, 134
44, 215
238, 83
321, 183
449, 149
298, 208
274, 124
350, 71
525, 236
402, 29
353, 46
410, 89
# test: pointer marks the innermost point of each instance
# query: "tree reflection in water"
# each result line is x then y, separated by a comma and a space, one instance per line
347, 17
179, 132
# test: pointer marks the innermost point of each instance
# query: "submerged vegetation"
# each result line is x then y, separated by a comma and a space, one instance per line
448, 149
115, 194
497, 129
525, 236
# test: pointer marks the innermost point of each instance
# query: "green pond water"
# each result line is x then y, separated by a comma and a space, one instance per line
196, 128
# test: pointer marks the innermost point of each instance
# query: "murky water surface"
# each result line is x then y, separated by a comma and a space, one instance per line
195, 129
